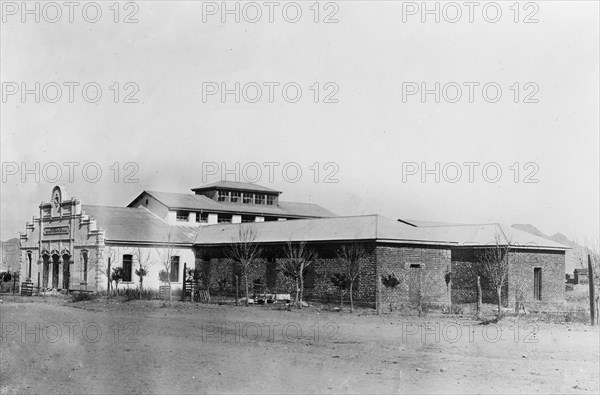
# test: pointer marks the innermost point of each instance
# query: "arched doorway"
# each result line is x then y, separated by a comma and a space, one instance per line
45, 270
55, 270
66, 271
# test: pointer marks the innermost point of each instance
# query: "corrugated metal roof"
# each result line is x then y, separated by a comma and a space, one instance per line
241, 186
485, 234
137, 225
367, 227
187, 201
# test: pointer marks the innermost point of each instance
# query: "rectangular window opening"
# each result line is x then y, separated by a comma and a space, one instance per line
248, 198
236, 197
182, 216
174, 276
202, 218
127, 266
223, 196
224, 218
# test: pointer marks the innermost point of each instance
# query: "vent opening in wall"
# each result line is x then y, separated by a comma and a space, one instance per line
537, 283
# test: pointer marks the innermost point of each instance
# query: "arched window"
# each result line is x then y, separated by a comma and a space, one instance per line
29, 259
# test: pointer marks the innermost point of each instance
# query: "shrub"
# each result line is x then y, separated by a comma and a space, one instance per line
140, 294
390, 281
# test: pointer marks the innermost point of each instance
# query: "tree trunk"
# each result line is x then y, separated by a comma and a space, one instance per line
351, 299
237, 292
246, 285
170, 291
341, 298
301, 285
297, 289
499, 292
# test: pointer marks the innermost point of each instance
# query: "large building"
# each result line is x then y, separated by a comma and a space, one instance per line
70, 246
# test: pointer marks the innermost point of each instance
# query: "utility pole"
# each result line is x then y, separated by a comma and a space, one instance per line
592, 291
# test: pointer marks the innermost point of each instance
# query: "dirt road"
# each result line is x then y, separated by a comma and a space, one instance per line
141, 347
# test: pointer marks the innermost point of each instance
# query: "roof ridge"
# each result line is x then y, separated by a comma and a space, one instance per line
455, 225
101, 205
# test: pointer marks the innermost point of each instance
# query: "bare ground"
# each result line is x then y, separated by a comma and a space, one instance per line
50, 345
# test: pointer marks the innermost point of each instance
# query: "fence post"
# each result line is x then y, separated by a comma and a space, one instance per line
183, 282
592, 291
479, 298
108, 281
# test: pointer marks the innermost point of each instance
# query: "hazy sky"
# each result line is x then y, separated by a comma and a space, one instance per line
375, 137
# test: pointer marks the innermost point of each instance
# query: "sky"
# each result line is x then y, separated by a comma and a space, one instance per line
340, 120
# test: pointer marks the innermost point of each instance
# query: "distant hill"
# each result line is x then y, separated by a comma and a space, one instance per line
11, 255
572, 260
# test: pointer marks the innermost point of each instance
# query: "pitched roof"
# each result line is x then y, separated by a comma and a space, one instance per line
486, 234
188, 201
137, 225
241, 186
367, 227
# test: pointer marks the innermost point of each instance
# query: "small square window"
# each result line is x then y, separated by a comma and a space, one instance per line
202, 218
182, 216
259, 199
270, 200
248, 198
224, 218
223, 196
236, 197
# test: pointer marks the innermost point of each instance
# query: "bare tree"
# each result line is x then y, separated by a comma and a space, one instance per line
298, 257
494, 267
245, 251
166, 254
496, 261
351, 255
144, 264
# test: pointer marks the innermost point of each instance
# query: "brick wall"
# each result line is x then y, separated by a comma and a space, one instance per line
421, 271
466, 267
218, 267
521, 276
392, 259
